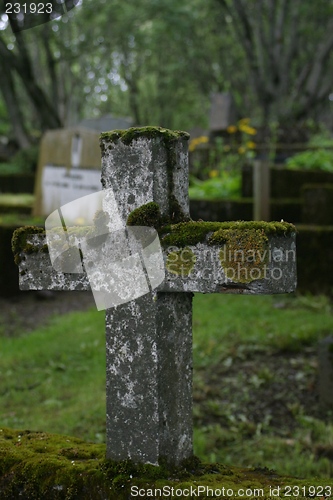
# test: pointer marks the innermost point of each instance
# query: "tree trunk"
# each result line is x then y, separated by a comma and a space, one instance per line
7, 86
21, 63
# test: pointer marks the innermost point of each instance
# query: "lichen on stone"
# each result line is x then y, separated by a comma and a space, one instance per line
244, 254
20, 242
170, 140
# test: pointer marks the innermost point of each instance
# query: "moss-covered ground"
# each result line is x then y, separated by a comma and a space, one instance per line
255, 404
39, 465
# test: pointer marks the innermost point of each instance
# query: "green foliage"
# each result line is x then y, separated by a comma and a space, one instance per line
322, 138
26, 159
4, 125
9, 169
114, 62
319, 158
219, 176
226, 185
23, 162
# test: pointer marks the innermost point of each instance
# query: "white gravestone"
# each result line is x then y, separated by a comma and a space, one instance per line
69, 167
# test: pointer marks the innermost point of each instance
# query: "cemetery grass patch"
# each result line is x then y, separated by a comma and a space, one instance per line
10, 202
18, 220
255, 397
55, 377
254, 381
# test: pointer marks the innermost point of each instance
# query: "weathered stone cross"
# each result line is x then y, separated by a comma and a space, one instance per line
149, 339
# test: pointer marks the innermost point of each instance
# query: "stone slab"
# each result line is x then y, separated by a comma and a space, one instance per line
68, 168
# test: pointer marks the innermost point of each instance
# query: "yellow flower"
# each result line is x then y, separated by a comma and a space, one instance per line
244, 121
194, 143
241, 150
79, 221
251, 145
213, 173
203, 139
232, 129
247, 129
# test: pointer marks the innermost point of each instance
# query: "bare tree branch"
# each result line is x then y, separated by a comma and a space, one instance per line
262, 44
279, 31
8, 90
291, 48
326, 88
322, 52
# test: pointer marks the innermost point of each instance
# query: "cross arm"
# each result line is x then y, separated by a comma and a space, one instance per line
206, 257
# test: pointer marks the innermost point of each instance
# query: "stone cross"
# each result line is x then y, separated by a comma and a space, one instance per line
149, 339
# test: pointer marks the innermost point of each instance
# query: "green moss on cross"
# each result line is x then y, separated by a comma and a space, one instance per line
214, 233
244, 254
146, 215
20, 241
128, 135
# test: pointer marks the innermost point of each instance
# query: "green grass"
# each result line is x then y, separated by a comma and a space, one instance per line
16, 200
10, 169
259, 322
14, 219
232, 330
53, 379
15, 204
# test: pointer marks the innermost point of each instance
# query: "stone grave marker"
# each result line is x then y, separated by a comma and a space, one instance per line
149, 339
325, 373
69, 167
222, 112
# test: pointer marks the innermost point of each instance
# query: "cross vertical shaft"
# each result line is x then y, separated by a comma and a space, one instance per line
149, 340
